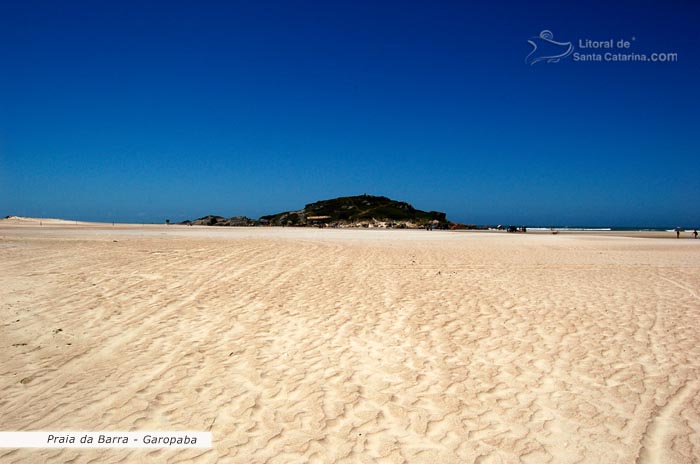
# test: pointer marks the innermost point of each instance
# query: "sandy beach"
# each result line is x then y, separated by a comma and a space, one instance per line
355, 346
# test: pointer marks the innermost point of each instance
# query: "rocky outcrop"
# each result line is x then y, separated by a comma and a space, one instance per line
235, 221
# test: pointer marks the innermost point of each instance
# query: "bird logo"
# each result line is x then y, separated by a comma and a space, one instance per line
545, 48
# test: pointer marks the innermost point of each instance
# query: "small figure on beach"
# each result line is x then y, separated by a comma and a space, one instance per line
695, 233
678, 232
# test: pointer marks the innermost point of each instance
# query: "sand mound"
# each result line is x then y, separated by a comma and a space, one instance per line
27, 221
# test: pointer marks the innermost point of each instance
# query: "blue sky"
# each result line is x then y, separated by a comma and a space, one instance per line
141, 111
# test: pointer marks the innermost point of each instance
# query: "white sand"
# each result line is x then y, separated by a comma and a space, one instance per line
305, 345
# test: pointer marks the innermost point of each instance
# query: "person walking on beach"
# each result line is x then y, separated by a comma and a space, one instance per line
678, 232
695, 233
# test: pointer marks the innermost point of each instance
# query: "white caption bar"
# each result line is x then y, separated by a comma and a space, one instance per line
105, 439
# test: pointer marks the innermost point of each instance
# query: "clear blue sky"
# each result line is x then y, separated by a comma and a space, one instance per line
141, 111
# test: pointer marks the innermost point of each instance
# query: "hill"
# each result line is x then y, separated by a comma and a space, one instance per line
357, 210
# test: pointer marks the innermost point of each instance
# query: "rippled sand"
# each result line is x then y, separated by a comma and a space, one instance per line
304, 345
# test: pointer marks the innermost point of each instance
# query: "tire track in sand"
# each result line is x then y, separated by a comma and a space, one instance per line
664, 427
688, 289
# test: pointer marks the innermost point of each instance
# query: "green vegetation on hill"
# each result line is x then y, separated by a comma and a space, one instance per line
356, 209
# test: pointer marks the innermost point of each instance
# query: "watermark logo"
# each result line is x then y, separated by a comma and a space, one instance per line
545, 48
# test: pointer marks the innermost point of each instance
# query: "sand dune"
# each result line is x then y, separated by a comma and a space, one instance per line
304, 345
29, 221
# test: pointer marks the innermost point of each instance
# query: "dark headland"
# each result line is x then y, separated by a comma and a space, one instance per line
353, 211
